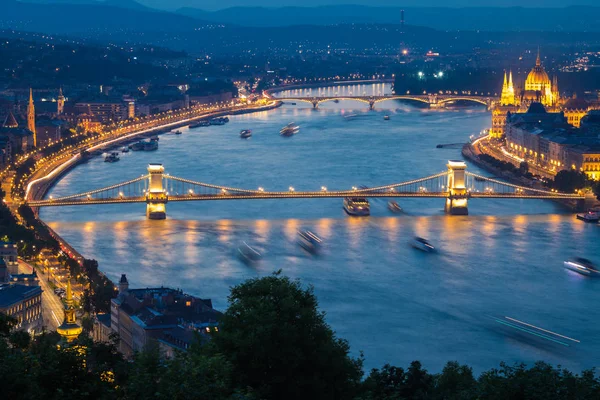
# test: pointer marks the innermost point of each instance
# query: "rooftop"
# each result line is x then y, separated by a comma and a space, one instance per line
11, 293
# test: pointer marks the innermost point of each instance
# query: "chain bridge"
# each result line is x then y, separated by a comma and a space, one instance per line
456, 185
434, 100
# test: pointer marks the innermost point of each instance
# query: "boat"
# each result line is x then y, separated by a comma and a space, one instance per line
112, 157
178, 132
394, 207
582, 266
200, 124
151, 145
246, 133
137, 146
154, 137
293, 104
422, 244
125, 150
357, 206
289, 130
386, 117
309, 241
248, 254
219, 121
592, 215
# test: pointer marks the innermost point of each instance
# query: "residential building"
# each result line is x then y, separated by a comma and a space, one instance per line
165, 316
24, 303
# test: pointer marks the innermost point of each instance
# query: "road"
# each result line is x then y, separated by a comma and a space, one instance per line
52, 306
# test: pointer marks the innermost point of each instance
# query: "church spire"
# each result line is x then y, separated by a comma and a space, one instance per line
31, 117
510, 82
60, 102
505, 84
69, 329
538, 61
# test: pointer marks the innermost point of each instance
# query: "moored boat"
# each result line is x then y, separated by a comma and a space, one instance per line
200, 124
386, 117
112, 157
178, 132
151, 145
582, 266
125, 150
357, 206
592, 215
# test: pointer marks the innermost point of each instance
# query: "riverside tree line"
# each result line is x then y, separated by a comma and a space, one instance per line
273, 343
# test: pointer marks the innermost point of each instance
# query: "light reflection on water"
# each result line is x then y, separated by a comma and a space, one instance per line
387, 299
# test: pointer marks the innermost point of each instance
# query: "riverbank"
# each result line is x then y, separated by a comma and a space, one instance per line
470, 153
37, 187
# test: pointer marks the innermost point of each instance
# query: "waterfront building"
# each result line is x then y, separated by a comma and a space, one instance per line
24, 303
105, 108
538, 86
547, 140
165, 316
48, 130
508, 104
69, 329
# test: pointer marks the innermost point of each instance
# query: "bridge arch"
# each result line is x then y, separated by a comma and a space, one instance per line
482, 100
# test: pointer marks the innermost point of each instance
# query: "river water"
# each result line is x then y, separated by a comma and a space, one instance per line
390, 301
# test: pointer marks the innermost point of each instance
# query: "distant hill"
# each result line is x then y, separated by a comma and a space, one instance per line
130, 4
66, 16
575, 18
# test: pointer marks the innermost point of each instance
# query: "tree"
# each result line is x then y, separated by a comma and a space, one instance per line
279, 344
596, 189
568, 181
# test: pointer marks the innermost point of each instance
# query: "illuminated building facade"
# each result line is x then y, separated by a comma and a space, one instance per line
165, 316
31, 117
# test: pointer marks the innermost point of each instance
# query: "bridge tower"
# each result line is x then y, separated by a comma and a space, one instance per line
156, 196
315, 102
456, 203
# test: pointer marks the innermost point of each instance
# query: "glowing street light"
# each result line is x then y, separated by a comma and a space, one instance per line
323, 189
292, 189
420, 73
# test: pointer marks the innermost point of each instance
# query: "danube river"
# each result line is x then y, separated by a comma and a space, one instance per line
390, 301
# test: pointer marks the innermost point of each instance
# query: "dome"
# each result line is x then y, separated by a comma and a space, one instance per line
537, 78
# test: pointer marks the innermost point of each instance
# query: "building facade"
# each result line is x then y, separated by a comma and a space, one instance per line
165, 316
24, 303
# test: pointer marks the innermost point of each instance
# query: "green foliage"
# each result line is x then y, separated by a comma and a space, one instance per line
568, 181
273, 343
273, 324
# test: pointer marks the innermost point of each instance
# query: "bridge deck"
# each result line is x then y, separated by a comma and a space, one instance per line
294, 195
